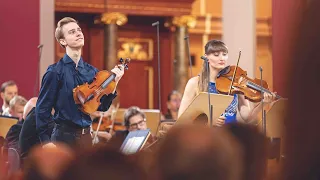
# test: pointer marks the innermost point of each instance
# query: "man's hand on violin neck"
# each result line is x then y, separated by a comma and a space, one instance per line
118, 71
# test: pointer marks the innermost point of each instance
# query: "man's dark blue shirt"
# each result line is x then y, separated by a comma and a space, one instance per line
57, 92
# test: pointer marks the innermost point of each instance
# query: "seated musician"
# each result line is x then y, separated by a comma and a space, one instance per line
173, 104
16, 109
8, 90
169, 119
102, 135
239, 109
134, 119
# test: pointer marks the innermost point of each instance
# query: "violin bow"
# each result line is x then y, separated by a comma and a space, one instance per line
150, 145
234, 73
98, 127
113, 115
233, 77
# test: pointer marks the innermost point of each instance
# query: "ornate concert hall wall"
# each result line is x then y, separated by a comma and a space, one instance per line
19, 32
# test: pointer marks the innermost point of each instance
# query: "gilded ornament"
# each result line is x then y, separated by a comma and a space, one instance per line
187, 20
114, 18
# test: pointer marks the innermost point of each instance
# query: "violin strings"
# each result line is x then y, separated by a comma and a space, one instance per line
100, 90
97, 91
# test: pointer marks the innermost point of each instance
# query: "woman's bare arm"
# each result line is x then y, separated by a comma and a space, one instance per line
188, 95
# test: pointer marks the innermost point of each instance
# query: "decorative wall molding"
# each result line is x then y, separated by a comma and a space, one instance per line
214, 26
156, 8
140, 49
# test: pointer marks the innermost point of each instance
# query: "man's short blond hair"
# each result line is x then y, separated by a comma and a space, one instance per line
59, 33
17, 100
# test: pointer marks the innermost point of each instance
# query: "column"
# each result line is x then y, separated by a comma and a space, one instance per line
47, 39
181, 66
111, 21
239, 32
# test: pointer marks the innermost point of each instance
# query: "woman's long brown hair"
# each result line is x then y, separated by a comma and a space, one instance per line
211, 47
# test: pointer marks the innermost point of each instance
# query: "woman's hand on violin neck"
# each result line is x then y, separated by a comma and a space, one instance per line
220, 121
118, 71
269, 98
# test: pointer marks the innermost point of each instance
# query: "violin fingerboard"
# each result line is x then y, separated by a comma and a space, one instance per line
257, 87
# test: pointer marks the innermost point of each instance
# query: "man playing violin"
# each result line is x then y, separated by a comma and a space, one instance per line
72, 126
239, 109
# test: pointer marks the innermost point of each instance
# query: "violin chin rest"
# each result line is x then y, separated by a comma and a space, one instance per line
80, 98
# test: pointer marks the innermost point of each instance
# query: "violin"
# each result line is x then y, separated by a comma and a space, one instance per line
234, 80
88, 95
109, 124
105, 124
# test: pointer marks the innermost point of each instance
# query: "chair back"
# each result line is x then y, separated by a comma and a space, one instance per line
6, 123
13, 160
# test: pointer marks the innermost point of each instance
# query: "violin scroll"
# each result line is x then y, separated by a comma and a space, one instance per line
125, 63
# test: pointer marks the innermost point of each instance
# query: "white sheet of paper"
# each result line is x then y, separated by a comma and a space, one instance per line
132, 145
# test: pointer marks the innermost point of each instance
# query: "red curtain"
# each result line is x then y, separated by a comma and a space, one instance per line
285, 16
19, 34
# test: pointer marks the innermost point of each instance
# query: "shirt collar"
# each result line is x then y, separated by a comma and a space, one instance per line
66, 59
5, 111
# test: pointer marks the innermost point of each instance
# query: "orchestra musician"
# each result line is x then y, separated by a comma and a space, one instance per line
217, 53
106, 123
173, 104
134, 119
72, 126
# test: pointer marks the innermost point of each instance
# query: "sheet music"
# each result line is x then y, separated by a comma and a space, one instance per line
133, 144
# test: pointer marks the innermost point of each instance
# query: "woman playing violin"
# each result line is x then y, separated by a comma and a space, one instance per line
217, 53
